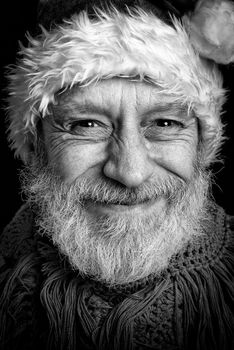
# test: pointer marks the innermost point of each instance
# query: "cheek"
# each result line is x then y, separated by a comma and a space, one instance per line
75, 161
177, 158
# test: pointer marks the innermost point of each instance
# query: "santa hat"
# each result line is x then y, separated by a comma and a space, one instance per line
83, 42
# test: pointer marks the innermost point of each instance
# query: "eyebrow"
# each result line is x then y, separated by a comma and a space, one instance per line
165, 107
90, 107
80, 108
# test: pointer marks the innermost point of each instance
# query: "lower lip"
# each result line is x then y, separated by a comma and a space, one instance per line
100, 208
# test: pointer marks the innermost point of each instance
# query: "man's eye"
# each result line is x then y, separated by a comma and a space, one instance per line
84, 124
89, 129
165, 123
162, 128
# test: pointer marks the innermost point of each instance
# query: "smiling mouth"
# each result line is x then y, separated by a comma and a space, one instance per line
125, 203
123, 206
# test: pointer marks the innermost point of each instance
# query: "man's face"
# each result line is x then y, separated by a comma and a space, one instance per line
124, 131
122, 191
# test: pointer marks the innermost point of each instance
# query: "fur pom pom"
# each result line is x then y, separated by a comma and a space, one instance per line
211, 29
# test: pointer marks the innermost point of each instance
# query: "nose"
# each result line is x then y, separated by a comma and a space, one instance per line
129, 162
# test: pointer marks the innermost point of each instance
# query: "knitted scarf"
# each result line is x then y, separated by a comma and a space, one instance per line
45, 304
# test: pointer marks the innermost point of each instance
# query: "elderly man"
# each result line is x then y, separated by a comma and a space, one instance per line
119, 246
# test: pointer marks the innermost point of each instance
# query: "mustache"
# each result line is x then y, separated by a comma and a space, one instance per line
105, 191
42, 184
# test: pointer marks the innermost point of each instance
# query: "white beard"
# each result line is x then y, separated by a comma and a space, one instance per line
118, 249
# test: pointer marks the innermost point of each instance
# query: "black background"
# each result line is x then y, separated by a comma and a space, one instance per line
18, 17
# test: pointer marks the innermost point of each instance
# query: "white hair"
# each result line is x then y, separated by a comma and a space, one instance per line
134, 45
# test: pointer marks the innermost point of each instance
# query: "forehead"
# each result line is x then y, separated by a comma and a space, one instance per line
117, 93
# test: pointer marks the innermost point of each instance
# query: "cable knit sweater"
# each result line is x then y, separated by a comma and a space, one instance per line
46, 305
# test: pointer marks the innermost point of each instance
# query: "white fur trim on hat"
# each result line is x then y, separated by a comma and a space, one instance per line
85, 50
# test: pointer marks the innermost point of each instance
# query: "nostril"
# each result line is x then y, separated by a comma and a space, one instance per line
128, 175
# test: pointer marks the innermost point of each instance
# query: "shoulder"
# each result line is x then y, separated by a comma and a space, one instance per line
17, 243
203, 275
212, 248
18, 281
17, 237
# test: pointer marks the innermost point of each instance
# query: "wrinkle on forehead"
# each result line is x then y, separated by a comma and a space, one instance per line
119, 95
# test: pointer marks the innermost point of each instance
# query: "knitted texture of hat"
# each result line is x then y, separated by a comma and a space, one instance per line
135, 44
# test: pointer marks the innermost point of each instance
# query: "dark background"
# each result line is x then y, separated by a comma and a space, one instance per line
16, 19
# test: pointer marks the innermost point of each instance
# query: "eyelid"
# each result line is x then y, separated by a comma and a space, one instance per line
152, 121
99, 133
75, 123
89, 118
64, 121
